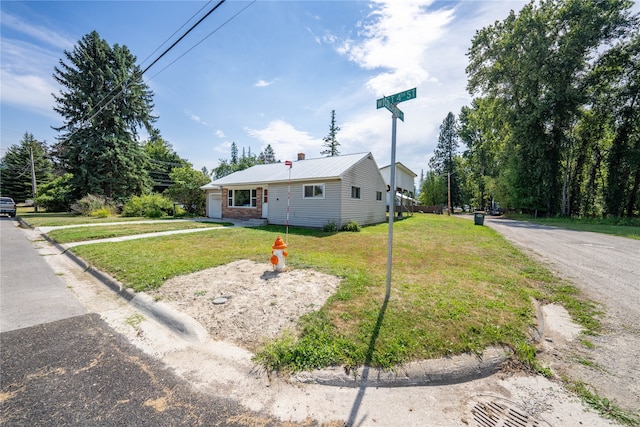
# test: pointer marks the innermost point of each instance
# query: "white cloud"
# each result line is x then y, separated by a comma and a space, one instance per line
26, 79
396, 39
219, 133
41, 34
263, 83
195, 118
286, 140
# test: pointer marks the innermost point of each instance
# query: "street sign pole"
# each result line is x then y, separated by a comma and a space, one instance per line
390, 103
392, 205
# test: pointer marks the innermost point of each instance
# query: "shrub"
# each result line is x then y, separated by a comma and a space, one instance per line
92, 203
351, 226
101, 213
149, 205
330, 227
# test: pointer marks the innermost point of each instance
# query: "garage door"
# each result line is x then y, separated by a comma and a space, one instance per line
215, 205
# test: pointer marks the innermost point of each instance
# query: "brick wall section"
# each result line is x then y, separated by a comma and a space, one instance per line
241, 213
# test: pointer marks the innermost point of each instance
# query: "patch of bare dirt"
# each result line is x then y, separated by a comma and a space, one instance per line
260, 303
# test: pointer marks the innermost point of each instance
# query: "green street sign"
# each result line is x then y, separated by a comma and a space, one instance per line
397, 97
395, 110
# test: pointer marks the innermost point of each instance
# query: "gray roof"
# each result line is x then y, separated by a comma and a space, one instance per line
301, 170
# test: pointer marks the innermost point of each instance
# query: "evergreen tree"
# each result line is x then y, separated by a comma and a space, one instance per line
104, 102
227, 167
15, 168
330, 141
443, 158
234, 154
267, 155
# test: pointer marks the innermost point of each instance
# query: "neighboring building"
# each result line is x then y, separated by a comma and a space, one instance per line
312, 193
405, 187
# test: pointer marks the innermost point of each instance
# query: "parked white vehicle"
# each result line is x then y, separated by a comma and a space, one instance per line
8, 206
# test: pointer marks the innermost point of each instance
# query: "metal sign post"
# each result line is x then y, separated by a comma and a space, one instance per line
389, 102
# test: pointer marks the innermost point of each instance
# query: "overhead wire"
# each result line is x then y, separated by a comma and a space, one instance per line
176, 32
184, 35
108, 98
205, 38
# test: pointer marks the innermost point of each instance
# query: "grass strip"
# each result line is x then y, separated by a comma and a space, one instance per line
57, 219
80, 234
624, 227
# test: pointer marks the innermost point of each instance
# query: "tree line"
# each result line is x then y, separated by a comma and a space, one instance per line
105, 104
554, 128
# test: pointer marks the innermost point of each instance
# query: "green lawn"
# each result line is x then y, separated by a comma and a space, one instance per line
624, 227
455, 288
80, 234
56, 219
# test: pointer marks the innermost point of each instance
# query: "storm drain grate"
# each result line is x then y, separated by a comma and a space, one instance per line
494, 414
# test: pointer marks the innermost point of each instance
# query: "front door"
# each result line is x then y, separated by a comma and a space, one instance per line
265, 203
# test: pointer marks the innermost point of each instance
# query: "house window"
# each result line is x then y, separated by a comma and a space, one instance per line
265, 196
355, 192
379, 196
242, 198
313, 191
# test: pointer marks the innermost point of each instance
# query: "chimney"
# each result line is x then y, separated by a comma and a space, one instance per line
300, 156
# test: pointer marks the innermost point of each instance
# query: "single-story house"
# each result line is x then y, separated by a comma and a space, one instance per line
308, 193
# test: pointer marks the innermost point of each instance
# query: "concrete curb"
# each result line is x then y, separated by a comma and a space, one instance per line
185, 326
443, 371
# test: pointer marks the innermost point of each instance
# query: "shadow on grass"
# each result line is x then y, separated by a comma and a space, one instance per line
353, 415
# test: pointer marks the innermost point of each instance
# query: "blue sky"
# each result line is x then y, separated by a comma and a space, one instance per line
258, 73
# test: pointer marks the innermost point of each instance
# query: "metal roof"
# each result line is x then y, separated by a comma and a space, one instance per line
301, 170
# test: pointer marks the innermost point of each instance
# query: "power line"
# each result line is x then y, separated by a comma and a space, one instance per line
203, 39
184, 35
109, 99
175, 32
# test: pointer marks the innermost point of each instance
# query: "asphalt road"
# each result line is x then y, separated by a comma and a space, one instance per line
606, 269
62, 366
30, 292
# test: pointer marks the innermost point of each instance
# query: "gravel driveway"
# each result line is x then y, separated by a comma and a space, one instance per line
607, 270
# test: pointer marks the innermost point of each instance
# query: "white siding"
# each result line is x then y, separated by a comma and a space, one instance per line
305, 212
366, 210
404, 177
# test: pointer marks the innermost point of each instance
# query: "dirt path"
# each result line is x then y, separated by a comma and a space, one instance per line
607, 269
246, 302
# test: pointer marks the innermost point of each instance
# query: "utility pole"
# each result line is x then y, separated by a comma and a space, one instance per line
448, 193
33, 179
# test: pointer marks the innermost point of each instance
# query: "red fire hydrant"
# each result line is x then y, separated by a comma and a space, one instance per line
278, 254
